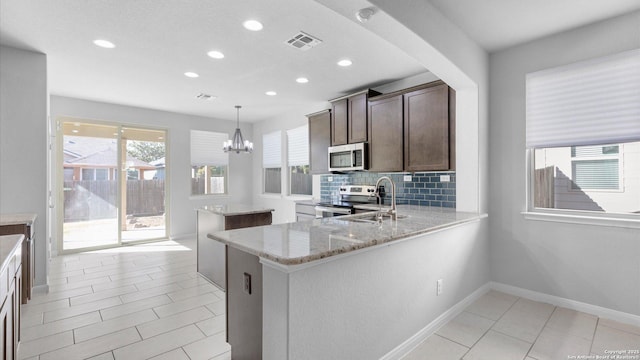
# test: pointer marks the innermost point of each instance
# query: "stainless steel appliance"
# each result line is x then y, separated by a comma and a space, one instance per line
349, 197
350, 157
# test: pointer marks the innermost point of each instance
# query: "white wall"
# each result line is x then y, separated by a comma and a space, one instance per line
588, 263
182, 205
23, 142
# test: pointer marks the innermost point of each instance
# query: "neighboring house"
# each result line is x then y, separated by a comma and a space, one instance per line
97, 159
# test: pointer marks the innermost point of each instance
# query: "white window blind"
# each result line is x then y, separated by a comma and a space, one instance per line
586, 103
206, 148
272, 150
298, 146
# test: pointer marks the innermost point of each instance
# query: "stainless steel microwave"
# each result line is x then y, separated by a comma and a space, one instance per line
350, 157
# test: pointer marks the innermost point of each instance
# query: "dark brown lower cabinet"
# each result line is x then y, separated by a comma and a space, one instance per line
10, 290
28, 255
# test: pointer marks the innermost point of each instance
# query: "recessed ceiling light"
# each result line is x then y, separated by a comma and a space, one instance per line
215, 54
191, 74
345, 62
104, 43
302, 80
253, 25
271, 93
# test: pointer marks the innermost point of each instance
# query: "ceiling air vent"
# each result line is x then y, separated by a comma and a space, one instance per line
303, 41
203, 96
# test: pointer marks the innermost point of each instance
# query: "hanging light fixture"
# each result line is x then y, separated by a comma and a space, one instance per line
238, 143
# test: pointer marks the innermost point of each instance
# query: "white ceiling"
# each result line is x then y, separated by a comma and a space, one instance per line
158, 40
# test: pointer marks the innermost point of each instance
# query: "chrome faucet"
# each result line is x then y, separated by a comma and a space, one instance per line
392, 212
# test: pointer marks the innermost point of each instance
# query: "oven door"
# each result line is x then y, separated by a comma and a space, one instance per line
329, 211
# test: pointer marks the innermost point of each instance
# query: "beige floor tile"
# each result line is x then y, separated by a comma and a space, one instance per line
466, 328
31, 320
207, 348
45, 344
116, 324
39, 331
134, 306
28, 309
492, 305
608, 338
121, 282
93, 347
524, 320
54, 315
191, 292
159, 344
134, 273
573, 322
105, 356
43, 298
225, 356
173, 322
496, 346
553, 344
213, 325
187, 304
145, 294
176, 354
78, 284
620, 326
437, 348
194, 282
218, 307
83, 299
164, 281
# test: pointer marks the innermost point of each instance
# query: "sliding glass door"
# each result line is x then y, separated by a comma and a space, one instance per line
113, 181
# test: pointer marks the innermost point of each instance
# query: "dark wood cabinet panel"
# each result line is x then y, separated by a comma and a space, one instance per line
339, 122
426, 129
385, 134
319, 141
28, 255
357, 119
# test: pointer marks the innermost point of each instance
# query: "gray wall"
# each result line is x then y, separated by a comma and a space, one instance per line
182, 205
23, 141
588, 263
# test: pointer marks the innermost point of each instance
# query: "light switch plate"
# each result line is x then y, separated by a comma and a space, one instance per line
246, 287
407, 178
445, 178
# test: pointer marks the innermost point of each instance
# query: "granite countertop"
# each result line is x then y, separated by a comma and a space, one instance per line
8, 245
307, 241
234, 209
15, 219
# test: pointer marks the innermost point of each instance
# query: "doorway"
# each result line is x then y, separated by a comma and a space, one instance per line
114, 185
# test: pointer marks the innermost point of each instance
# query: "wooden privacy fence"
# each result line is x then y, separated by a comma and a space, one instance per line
544, 188
97, 199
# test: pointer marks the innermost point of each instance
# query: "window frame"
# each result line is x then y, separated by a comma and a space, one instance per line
207, 167
301, 133
619, 157
277, 134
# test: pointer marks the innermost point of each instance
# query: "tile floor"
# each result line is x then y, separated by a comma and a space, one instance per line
137, 302
147, 302
504, 327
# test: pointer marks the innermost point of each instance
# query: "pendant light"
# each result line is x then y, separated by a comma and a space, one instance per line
238, 143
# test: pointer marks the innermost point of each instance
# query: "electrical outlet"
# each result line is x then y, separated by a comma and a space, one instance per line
439, 287
247, 283
445, 178
407, 178
330, 178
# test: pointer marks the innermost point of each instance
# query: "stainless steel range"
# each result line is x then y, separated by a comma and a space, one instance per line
349, 197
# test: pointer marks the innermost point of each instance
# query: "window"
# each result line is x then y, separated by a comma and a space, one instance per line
271, 162
209, 163
300, 179
88, 174
583, 133
102, 174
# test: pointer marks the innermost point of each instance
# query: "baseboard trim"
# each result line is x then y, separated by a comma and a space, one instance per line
40, 289
408, 345
599, 311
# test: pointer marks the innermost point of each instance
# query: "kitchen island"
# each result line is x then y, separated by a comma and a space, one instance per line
347, 287
210, 254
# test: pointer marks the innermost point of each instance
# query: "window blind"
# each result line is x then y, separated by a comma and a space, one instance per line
272, 150
206, 148
298, 146
585, 103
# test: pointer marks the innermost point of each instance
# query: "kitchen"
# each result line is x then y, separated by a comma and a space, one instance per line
457, 60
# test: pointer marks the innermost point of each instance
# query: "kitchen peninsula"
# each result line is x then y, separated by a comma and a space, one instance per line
344, 287
211, 218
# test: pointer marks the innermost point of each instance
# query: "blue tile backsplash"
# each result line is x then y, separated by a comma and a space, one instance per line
424, 189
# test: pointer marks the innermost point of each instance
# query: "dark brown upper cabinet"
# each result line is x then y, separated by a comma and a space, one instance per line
385, 133
413, 129
319, 141
349, 120
426, 129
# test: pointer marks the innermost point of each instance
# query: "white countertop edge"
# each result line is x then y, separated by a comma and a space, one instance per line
17, 242
297, 267
17, 219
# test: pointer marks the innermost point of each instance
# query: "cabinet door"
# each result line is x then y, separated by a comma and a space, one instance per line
357, 119
426, 129
319, 141
339, 122
6, 326
385, 134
